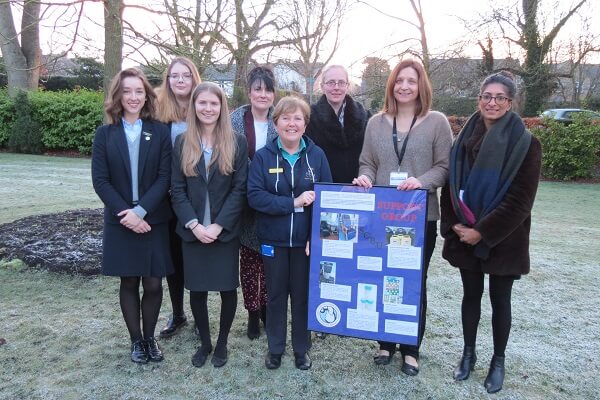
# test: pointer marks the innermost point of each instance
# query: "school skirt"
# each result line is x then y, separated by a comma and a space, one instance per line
126, 253
211, 267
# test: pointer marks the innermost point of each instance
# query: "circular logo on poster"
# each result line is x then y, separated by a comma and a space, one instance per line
328, 314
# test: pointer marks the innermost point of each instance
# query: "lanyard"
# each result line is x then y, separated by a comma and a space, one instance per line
395, 139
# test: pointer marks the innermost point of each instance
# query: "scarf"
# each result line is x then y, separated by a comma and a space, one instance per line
476, 190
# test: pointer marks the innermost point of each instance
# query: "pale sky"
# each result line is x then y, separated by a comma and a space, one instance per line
365, 31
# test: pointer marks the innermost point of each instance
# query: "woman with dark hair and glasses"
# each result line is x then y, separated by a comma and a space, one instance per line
486, 215
407, 145
180, 78
255, 122
131, 161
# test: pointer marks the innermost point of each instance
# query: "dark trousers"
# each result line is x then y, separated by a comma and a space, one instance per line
405, 349
286, 274
500, 294
175, 280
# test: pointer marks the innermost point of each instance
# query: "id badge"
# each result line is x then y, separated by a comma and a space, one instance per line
397, 178
267, 251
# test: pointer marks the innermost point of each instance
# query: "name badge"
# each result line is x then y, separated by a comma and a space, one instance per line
276, 170
267, 251
397, 178
298, 209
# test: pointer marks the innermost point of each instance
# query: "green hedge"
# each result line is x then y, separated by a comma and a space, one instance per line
570, 151
67, 120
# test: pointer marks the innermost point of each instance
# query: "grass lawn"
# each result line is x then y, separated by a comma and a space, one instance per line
66, 338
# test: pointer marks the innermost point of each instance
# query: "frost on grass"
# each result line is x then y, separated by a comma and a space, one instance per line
68, 242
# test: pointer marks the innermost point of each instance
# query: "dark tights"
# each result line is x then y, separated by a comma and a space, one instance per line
175, 281
198, 302
129, 296
500, 293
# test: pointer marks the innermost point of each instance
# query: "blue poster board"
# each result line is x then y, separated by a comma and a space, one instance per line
366, 262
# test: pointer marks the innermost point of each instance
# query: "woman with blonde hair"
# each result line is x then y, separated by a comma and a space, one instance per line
131, 160
208, 189
180, 78
407, 145
280, 189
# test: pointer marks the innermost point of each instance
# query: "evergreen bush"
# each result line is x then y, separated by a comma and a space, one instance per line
570, 151
25, 135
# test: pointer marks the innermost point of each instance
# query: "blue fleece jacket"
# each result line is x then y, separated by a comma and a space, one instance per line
272, 186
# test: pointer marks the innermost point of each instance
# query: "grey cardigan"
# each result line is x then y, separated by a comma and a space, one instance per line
427, 154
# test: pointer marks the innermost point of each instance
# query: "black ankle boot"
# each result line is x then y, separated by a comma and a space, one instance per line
495, 377
253, 324
466, 364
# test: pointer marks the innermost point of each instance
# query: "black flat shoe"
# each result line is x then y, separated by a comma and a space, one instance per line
173, 325
302, 361
154, 352
219, 361
200, 357
382, 359
408, 369
139, 354
495, 377
273, 361
466, 364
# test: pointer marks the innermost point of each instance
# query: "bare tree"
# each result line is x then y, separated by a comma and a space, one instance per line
314, 21
22, 59
519, 24
113, 40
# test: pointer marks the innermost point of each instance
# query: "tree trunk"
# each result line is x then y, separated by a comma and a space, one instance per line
113, 40
22, 62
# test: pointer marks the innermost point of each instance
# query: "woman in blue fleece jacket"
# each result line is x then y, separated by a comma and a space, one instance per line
280, 189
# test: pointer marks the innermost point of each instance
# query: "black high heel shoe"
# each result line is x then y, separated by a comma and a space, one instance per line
495, 377
466, 364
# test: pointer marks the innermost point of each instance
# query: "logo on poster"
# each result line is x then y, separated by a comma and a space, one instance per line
328, 314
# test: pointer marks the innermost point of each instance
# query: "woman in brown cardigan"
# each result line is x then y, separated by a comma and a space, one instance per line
486, 215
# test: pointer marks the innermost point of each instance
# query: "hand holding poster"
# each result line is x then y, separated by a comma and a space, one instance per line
366, 262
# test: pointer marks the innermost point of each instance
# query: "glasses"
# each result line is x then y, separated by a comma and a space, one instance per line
486, 98
177, 77
340, 84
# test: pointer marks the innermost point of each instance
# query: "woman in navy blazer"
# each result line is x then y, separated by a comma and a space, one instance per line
208, 189
131, 160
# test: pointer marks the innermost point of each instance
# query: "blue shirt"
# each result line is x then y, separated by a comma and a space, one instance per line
291, 158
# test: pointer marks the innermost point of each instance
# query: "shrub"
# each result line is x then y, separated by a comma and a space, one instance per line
570, 151
68, 119
7, 116
25, 135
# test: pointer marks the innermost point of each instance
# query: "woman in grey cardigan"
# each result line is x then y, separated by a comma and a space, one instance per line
418, 160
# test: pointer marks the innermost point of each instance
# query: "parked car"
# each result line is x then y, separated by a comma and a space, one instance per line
566, 114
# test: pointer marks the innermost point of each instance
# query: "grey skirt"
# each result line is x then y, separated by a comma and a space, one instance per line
211, 267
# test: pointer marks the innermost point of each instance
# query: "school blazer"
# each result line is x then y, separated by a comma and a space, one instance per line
227, 193
111, 171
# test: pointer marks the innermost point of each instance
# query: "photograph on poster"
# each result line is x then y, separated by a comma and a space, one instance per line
393, 287
327, 272
366, 300
368, 263
338, 226
399, 235
403, 257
